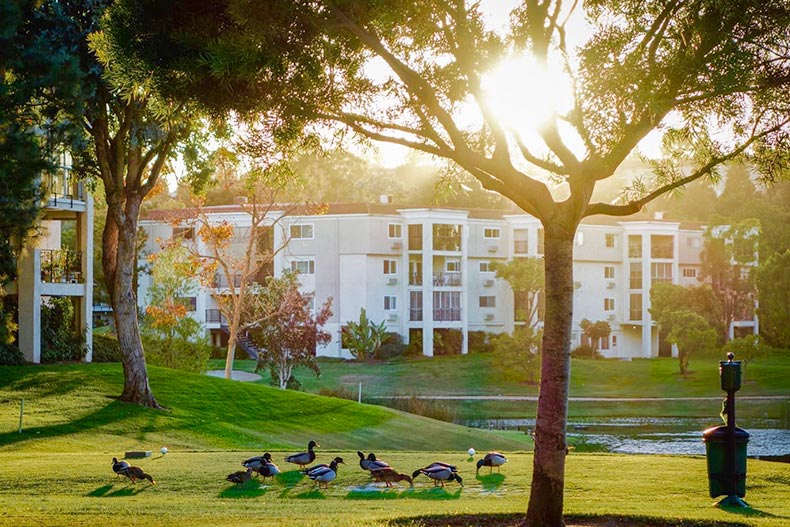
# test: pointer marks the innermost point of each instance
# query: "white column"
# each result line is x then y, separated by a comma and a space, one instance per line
647, 281
86, 302
427, 295
29, 304
465, 282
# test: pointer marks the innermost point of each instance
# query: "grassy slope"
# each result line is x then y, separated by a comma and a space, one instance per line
71, 407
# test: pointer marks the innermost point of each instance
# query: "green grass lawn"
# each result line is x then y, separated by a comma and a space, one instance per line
57, 472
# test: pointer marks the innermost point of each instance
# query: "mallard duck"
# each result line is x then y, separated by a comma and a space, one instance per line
303, 458
491, 460
439, 472
240, 477
322, 466
135, 473
324, 474
370, 462
258, 462
119, 467
389, 476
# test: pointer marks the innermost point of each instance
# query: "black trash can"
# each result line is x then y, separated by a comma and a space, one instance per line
716, 453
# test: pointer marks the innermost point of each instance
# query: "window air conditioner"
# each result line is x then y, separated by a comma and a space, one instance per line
492, 248
610, 316
488, 283
610, 285
489, 316
392, 281
397, 246
392, 317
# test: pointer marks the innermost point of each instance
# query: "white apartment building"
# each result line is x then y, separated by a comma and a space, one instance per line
59, 262
424, 270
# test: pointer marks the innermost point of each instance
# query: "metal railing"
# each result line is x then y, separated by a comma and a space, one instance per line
64, 186
61, 265
446, 279
450, 314
215, 316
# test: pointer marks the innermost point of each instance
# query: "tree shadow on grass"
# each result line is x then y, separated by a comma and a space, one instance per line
514, 520
435, 493
491, 482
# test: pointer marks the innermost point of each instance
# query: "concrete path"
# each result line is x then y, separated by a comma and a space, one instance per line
582, 399
236, 375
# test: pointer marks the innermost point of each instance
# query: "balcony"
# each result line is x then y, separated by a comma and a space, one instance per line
449, 314
415, 314
63, 187
221, 281
61, 265
215, 316
446, 279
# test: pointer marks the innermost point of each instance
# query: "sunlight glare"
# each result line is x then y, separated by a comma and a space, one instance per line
524, 94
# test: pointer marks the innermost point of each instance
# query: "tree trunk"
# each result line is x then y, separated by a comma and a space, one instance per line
548, 477
119, 246
233, 335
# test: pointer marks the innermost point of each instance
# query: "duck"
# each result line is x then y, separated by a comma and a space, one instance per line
241, 477
135, 473
303, 458
322, 466
370, 462
324, 474
491, 460
261, 464
389, 476
439, 472
119, 467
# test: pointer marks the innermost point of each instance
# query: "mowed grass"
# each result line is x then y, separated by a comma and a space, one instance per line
57, 472
79, 488
74, 407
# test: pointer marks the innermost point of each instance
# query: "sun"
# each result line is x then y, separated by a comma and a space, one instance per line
524, 94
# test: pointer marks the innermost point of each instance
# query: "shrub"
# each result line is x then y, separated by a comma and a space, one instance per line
340, 392
59, 340
480, 342
181, 346
391, 348
432, 408
585, 351
106, 349
10, 355
447, 341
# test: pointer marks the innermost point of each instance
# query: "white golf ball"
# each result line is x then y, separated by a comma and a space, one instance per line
163, 450
471, 452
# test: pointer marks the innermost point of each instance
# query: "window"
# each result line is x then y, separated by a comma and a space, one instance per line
487, 301
446, 237
689, 272
185, 233
395, 231
635, 309
452, 266
390, 303
415, 237
415, 305
603, 343
608, 272
304, 231
446, 306
303, 266
611, 240
580, 238
520, 241
485, 267
635, 281
661, 246
390, 266
634, 246
661, 272
608, 304
190, 302
492, 233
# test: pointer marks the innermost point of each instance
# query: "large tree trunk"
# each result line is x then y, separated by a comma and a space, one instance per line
548, 478
233, 335
119, 262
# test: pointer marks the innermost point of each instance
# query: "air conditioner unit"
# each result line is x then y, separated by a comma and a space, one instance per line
488, 283
610, 285
397, 246
392, 317
489, 316
392, 281
492, 248
610, 316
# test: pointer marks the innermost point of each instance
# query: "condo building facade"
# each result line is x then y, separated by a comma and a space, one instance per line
428, 270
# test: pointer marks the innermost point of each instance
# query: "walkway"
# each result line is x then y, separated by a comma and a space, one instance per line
579, 399
236, 375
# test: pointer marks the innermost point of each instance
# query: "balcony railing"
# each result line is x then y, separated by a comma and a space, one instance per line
446, 279
415, 279
450, 314
520, 247
64, 186
221, 281
415, 315
215, 316
61, 265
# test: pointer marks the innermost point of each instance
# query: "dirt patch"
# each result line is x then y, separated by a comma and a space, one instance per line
516, 520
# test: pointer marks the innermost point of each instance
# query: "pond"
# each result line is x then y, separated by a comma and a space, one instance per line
656, 435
